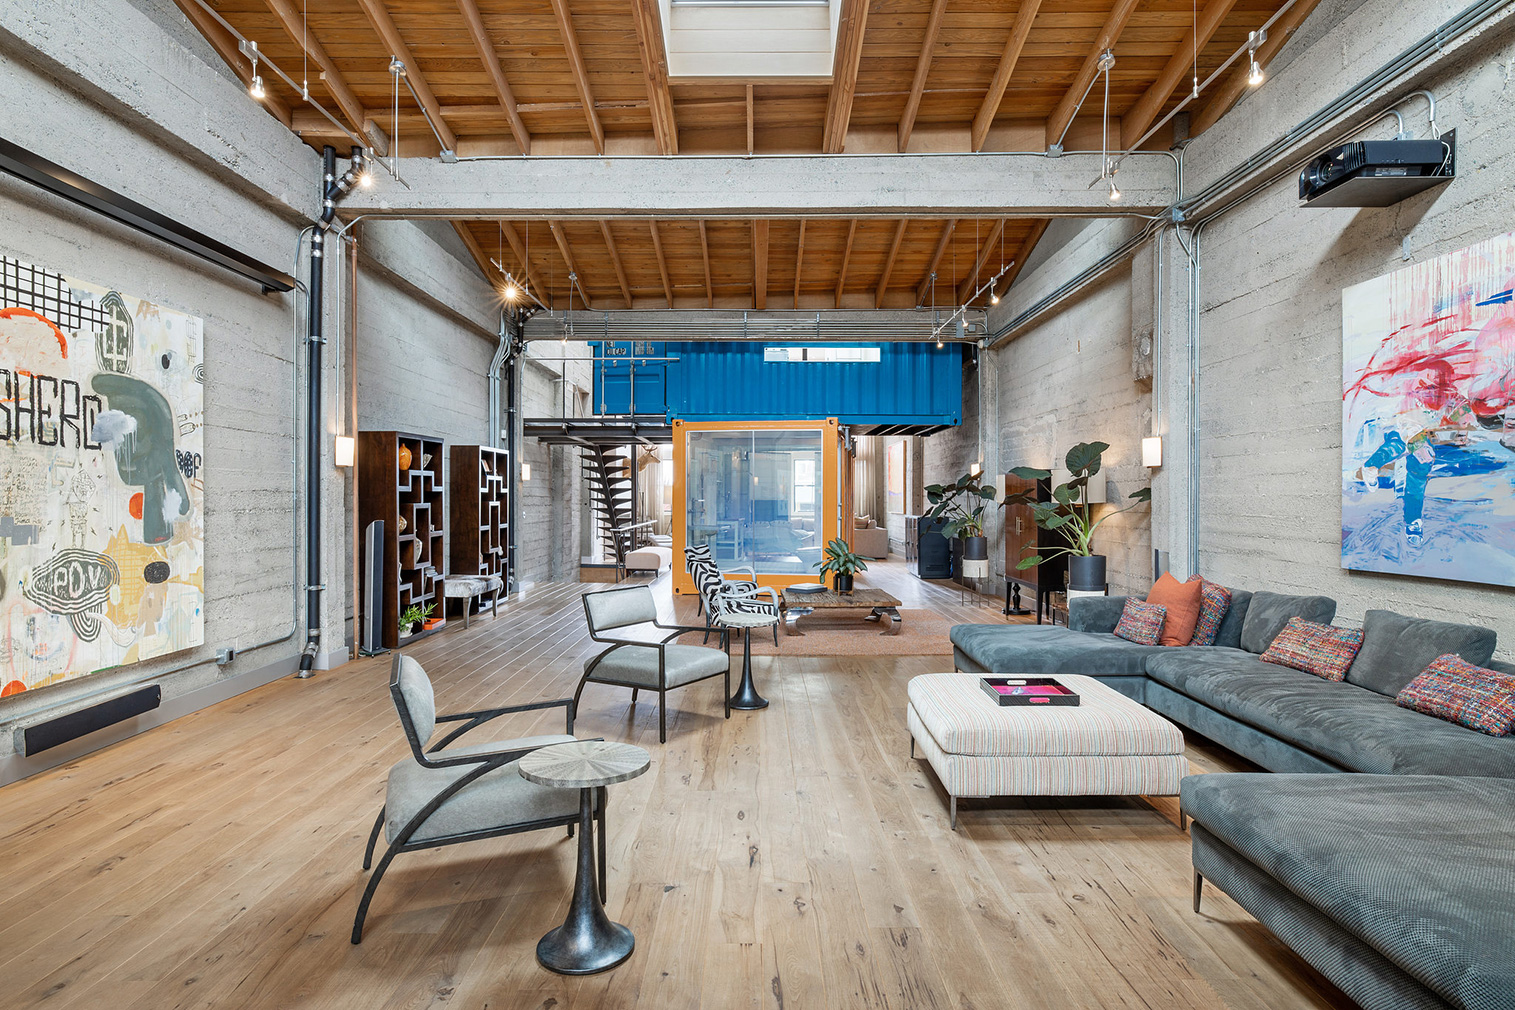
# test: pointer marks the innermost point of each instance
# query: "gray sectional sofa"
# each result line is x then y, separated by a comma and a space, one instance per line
1397, 883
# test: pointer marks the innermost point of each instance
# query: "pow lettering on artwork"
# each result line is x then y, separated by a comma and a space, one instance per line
76, 584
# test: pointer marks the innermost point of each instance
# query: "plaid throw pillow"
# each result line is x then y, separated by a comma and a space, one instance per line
1453, 689
1141, 623
1320, 649
1214, 602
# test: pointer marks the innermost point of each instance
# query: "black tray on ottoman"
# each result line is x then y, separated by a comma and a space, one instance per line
1027, 691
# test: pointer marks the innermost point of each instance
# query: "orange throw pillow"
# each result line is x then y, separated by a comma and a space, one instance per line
1182, 600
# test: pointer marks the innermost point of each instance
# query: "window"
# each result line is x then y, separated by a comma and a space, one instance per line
804, 485
822, 354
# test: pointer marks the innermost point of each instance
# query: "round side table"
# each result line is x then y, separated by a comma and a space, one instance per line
747, 698
587, 942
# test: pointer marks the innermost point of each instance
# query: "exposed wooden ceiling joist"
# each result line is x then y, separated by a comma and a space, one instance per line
655, 69
799, 264
844, 69
922, 71
1228, 91
615, 261
841, 274
1108, 35
894, 251
575, 279
760, 264
580, 73
924, 287
491, 60
378, 16
289, 17
657, 247
225, 45
986, 249
1008, 59
1141, 115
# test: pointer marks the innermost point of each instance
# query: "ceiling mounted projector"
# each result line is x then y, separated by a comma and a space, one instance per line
1377, 173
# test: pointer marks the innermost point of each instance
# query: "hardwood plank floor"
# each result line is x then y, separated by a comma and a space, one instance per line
791, 858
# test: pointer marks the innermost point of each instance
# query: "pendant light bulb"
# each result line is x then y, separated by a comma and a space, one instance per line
255, 87
1114, 192
993, 296
1255, 77
365, 179
1255, 39
1195, 92
512, 293
939, 343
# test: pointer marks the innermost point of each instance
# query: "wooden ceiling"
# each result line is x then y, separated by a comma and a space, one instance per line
576, 77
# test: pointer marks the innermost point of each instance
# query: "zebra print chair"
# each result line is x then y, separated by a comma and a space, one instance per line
699, 555
720, 596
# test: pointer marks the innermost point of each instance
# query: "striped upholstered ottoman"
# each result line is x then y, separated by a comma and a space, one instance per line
1107, 745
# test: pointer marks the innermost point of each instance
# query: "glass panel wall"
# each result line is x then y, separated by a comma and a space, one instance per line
757, 498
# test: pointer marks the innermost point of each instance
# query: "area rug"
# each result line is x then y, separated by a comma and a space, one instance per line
845, 633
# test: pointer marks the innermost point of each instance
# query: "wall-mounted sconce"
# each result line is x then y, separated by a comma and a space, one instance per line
346, 450
1152, 451
525, 472
977, 469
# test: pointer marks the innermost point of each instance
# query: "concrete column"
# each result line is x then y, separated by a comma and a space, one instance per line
1172, 396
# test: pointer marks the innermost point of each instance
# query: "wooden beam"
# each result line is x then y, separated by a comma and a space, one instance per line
289, 17
378, 15
1002, 74
657, 247
1061, 116
760, 264
655, 72
705, 255
491, 58
1230, 89
922, 70
615, 261
749, 119
1023, 253
562, 240
841, 274
580, 73
971, 282
799, 264
844, 66
924, 287
480, 257
894, 250
226, 46
1141, 115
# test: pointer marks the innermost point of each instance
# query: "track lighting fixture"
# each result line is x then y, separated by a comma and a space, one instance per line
993, 296
1114, 192
939, 343
512, 293
1254, 40
254, 86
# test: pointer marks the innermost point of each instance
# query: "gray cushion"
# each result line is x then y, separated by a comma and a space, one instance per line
420, 701
638, 664
1396, 649
1420, 868
496, 799
1267, 613
619, 608
1096, 613
1049, 649
1351, 727
1228, 635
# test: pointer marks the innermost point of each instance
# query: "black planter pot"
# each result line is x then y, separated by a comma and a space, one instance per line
841, 583
1087, 575
975, 557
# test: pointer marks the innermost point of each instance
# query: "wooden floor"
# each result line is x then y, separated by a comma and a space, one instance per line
791, 858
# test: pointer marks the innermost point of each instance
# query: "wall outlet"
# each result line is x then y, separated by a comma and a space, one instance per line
224, 656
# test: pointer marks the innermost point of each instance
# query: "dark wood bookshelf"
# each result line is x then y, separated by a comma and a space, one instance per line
412, 556
480, 516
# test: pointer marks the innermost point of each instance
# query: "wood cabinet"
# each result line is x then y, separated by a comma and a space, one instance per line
480, 513
1024, 539
409, 501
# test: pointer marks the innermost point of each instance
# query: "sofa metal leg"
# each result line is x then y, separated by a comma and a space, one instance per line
954, 813
1199, 886
633, 697
912, 746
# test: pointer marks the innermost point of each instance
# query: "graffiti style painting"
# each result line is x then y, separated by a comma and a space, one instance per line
102, 500
1428, 429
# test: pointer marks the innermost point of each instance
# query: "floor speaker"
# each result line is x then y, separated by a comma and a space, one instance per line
371, 642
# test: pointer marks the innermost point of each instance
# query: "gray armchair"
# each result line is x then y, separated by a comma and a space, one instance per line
655, 666
440, 797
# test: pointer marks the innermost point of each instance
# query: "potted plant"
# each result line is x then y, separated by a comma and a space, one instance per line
413, 616
842, 564
1069, 515
962, 505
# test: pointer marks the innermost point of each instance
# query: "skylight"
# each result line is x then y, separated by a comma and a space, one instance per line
750, 39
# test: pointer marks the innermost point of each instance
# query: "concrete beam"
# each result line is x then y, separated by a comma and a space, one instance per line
949, 185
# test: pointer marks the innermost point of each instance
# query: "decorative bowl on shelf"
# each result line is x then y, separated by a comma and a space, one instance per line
404, 456
401, 524
425, 460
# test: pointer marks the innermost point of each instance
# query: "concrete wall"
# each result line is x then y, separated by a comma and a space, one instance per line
1269, 392
163, 121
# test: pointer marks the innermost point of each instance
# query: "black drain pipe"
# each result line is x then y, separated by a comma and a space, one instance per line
332, 189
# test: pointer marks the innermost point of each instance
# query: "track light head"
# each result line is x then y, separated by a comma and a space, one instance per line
1114, 192
1255, 76
255, 87
939, 343
512, 292
993, 296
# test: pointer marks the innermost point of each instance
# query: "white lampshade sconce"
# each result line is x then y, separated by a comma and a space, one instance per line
345, 451
525, 472
1152, 451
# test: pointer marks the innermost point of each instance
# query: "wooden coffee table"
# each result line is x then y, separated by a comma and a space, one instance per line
878, 604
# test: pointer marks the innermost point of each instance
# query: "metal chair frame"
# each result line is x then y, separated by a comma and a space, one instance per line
486, 762
662, 689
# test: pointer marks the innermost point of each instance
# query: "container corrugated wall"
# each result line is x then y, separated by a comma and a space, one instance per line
911, 383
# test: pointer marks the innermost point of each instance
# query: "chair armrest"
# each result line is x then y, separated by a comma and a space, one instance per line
677, 629
744, 593
1098, 614
479, 718
492, 757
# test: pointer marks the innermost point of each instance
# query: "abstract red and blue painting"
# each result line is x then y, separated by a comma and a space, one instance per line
1428, 428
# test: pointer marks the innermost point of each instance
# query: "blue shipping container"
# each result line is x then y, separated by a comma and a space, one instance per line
884, 383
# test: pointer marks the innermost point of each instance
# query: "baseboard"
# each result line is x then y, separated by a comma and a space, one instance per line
15, 767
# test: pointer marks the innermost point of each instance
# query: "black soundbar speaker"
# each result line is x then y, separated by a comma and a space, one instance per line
46, 735
933, 554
